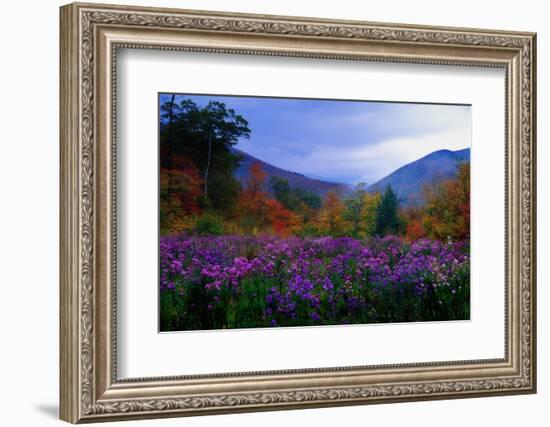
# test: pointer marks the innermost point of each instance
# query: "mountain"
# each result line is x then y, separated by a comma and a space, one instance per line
408, 180
295, 180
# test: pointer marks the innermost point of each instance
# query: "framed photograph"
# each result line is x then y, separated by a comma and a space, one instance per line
266, 212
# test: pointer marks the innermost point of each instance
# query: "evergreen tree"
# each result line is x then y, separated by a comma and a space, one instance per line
387, 219
204, 135
293, 198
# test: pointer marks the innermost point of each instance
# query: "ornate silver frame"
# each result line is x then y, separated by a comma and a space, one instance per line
90, 36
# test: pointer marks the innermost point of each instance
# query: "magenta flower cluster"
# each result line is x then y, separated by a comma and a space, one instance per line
237, 281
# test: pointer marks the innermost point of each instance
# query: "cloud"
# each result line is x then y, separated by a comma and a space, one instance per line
388, 120
387, 156
373, 162
346, 141
367, 145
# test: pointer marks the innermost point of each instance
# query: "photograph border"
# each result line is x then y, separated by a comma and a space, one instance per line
159, 235
90, 37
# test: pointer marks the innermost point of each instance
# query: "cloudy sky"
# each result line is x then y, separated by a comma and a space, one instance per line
344, 141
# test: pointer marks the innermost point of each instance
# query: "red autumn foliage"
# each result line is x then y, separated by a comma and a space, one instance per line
258, 210
181, 190
281, 219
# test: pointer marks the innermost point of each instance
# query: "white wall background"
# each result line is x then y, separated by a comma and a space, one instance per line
29, 170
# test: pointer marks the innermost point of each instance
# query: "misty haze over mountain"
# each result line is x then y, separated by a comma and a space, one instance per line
407, 181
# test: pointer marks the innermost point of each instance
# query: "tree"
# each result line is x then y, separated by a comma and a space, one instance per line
354, 211
258, 212
281, 220
180, 191
252, 203
447, 211
176, 127
361, 212
387, 219
371, 201
459, 192
170, 137
414, 217
205, 135
220, 128
299, 201
330, 219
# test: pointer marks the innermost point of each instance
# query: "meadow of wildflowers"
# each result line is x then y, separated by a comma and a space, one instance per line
219, 282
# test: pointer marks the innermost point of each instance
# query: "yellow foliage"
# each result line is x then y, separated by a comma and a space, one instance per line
330, 219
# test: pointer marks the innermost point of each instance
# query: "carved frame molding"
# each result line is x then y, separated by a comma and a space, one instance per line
90, 37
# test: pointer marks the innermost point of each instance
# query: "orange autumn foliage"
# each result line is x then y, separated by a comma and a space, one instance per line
413, 216
252, 202
181, 189
330, 220
415, 230
281, 219
447, 212
258, 211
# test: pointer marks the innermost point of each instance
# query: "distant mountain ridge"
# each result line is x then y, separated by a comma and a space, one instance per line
296, 180
408, 180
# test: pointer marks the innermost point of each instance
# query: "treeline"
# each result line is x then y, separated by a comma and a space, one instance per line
199, 193
196, 162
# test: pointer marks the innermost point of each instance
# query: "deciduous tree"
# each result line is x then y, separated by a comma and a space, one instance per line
447, 211
205, 135
330, 220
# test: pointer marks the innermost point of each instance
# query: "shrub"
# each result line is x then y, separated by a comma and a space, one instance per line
209, 224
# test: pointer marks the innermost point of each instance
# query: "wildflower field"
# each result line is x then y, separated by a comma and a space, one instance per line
283, 212
218, 282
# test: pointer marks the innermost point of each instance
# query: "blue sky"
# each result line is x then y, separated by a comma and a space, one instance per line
344, 141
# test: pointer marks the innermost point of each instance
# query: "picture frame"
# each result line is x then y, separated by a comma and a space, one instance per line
91, 36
